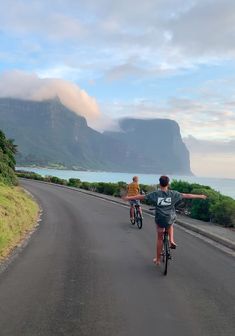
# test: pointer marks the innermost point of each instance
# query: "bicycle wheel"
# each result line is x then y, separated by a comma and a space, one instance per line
139, 219
165, 254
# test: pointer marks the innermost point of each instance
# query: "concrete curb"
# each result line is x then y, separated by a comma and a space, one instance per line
218, 239
223, 241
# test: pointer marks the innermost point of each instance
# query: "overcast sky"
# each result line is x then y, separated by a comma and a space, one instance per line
156, 58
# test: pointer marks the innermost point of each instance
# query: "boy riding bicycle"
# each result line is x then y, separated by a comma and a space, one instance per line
164, 201
133, 189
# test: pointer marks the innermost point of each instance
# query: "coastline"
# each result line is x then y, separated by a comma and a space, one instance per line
225, 186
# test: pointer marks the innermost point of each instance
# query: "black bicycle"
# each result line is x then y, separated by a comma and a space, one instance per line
166, 250
138, 219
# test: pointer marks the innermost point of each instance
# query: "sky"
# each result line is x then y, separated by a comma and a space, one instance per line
111, 59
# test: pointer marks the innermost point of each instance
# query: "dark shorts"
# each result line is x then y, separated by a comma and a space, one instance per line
163, 226
134, 202
163, 223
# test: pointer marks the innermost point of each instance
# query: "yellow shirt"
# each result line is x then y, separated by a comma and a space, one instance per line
133, 189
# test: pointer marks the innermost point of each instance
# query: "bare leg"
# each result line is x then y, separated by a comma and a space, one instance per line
140, 210
159, 243
171, 234
132, 212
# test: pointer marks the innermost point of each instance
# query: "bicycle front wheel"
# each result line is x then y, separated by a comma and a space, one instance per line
165, 258
139, 220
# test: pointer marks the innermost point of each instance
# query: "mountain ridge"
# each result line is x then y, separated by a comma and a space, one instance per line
49, 133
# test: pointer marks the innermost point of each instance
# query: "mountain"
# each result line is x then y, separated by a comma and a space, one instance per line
157, 145
48, 133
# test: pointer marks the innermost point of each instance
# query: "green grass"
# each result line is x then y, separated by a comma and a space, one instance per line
18, 215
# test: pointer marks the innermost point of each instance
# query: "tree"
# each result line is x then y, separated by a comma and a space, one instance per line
7, 159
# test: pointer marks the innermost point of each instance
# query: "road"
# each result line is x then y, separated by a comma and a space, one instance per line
87, 271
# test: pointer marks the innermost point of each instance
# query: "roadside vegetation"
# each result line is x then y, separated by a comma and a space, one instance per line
217, 208
18, 211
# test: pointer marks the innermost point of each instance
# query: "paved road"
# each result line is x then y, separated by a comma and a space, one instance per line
86, 271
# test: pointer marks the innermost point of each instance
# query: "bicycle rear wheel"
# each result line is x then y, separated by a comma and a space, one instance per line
139, 219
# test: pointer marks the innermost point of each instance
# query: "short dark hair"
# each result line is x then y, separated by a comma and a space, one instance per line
164, 181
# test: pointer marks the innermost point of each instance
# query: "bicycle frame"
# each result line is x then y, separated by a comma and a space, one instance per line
137, 216
166, 252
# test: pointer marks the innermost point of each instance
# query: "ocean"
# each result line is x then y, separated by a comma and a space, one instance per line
224, 185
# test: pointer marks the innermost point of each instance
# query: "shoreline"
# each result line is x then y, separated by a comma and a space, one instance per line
102, 171
225, 186
121, 172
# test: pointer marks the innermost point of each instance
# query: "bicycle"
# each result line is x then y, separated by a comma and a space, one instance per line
166, 251
138, 219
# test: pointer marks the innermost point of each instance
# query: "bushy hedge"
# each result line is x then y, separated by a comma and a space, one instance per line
7, 160
216, 208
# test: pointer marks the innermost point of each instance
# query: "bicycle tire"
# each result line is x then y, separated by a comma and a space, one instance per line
139, 221
166, 255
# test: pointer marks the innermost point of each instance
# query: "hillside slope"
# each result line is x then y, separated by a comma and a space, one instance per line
48, 133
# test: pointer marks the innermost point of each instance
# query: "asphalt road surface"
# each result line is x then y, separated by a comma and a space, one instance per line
87, 271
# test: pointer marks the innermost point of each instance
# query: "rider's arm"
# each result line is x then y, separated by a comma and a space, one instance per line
136, 197
193, 196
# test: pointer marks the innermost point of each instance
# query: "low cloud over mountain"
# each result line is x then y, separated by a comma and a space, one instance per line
49, 133
19, 84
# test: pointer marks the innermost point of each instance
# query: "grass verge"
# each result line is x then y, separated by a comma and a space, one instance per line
18, 215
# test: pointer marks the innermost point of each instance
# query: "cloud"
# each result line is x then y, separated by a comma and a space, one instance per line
19, 84
41, 19
123, 71
176, 34
211, 158
206, 29
198, 146
213, 119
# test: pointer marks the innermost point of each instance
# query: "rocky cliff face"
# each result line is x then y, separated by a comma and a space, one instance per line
157, 145
48, 133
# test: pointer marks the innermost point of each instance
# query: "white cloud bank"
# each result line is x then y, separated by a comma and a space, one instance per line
19, 84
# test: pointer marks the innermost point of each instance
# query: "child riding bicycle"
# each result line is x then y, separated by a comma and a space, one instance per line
133, 189
164, 201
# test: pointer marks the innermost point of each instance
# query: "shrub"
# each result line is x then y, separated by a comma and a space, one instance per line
186, 187
85, 185
56, 180
74, 182
224, 211
7, 160
7, 175
30, 175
